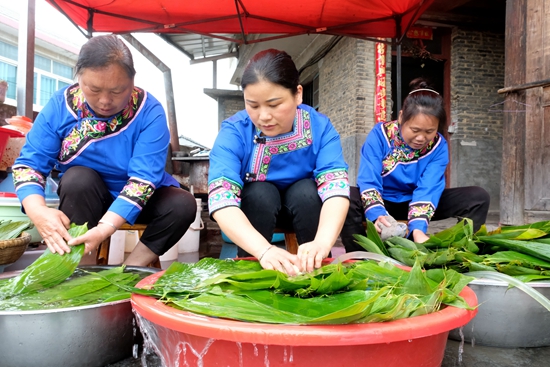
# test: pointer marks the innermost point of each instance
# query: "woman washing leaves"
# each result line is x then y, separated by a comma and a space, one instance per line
402, 174
278, 163
109, 139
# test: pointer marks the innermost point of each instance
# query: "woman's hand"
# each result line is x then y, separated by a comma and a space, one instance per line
311, 255
274, 258
92, 238
419, 236
52, 225
381, 221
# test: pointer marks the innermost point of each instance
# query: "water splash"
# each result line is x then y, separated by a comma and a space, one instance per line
473, 340
461, 345
255, 349
291, 359
266, 355
149, 336
240, 348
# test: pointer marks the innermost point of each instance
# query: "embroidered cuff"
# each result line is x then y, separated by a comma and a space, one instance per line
137, 191
24, 175
223, 192
332, 183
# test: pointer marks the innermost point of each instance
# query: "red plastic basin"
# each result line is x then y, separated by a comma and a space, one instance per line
183, 338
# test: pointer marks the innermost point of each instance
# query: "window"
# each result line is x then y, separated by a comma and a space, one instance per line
49, 75
311, 93
9, 73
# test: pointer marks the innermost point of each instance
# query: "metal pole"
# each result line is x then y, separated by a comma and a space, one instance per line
215, 74
398, 79
25, 66
168, 89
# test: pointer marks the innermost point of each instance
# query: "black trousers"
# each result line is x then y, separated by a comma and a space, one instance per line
461, 202
266, 207
84, 198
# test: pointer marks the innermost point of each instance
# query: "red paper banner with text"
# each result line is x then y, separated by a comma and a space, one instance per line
380, 83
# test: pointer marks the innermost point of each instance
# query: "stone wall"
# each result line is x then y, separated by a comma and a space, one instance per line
477, 72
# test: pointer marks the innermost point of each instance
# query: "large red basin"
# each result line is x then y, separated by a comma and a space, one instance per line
186, 339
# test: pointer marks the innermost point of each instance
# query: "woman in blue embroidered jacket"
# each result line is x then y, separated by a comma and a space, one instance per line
109, 139
402, 173
278, 163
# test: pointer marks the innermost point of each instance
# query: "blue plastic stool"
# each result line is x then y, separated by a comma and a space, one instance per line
229, 249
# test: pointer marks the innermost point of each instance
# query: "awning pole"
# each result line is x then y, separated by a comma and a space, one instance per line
399, 91
25, 54
398, 39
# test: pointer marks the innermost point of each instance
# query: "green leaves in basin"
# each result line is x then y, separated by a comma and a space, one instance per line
47, 271
334, 294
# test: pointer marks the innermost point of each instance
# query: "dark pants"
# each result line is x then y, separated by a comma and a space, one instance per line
266, 207
461, 202
84, 198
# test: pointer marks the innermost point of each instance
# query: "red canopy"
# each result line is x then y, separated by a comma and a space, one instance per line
355, 18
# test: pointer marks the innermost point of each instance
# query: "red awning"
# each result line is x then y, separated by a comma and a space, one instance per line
214, 18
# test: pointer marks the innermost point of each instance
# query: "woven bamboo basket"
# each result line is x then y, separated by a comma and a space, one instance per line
11, 250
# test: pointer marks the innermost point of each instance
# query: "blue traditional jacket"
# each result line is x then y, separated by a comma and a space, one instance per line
128, 150
311, 150
391, 170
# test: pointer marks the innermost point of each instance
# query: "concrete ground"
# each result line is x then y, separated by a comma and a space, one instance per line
471, 356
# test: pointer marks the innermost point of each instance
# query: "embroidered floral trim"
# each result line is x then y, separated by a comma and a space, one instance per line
371, 198
138, 191
301, 137
421, 210
24, 175
223, 192
332, 183
400, 151
90, 127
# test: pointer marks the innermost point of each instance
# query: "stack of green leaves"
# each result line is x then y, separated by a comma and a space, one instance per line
10, 230
358, 292
519, 251
52, 282
81, 289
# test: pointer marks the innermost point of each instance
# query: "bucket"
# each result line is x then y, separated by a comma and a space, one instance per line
171, 254
116, 248
5, 134
190, 240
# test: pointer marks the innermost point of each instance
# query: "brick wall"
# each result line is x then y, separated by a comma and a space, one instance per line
346, 95
231, 106
477, 72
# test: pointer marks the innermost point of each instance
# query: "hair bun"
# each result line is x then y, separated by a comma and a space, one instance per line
419, 83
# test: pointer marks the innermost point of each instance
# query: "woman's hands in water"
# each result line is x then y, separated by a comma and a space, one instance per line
311, 255
275, 258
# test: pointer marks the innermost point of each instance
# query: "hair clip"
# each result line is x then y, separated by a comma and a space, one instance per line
424, 89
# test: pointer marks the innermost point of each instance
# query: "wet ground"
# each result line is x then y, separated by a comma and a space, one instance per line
471, 356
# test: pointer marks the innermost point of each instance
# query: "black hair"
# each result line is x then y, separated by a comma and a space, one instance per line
102, 51
273, 66
423, 99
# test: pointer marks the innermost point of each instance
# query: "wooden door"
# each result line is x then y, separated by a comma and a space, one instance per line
537, 133
525, 190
